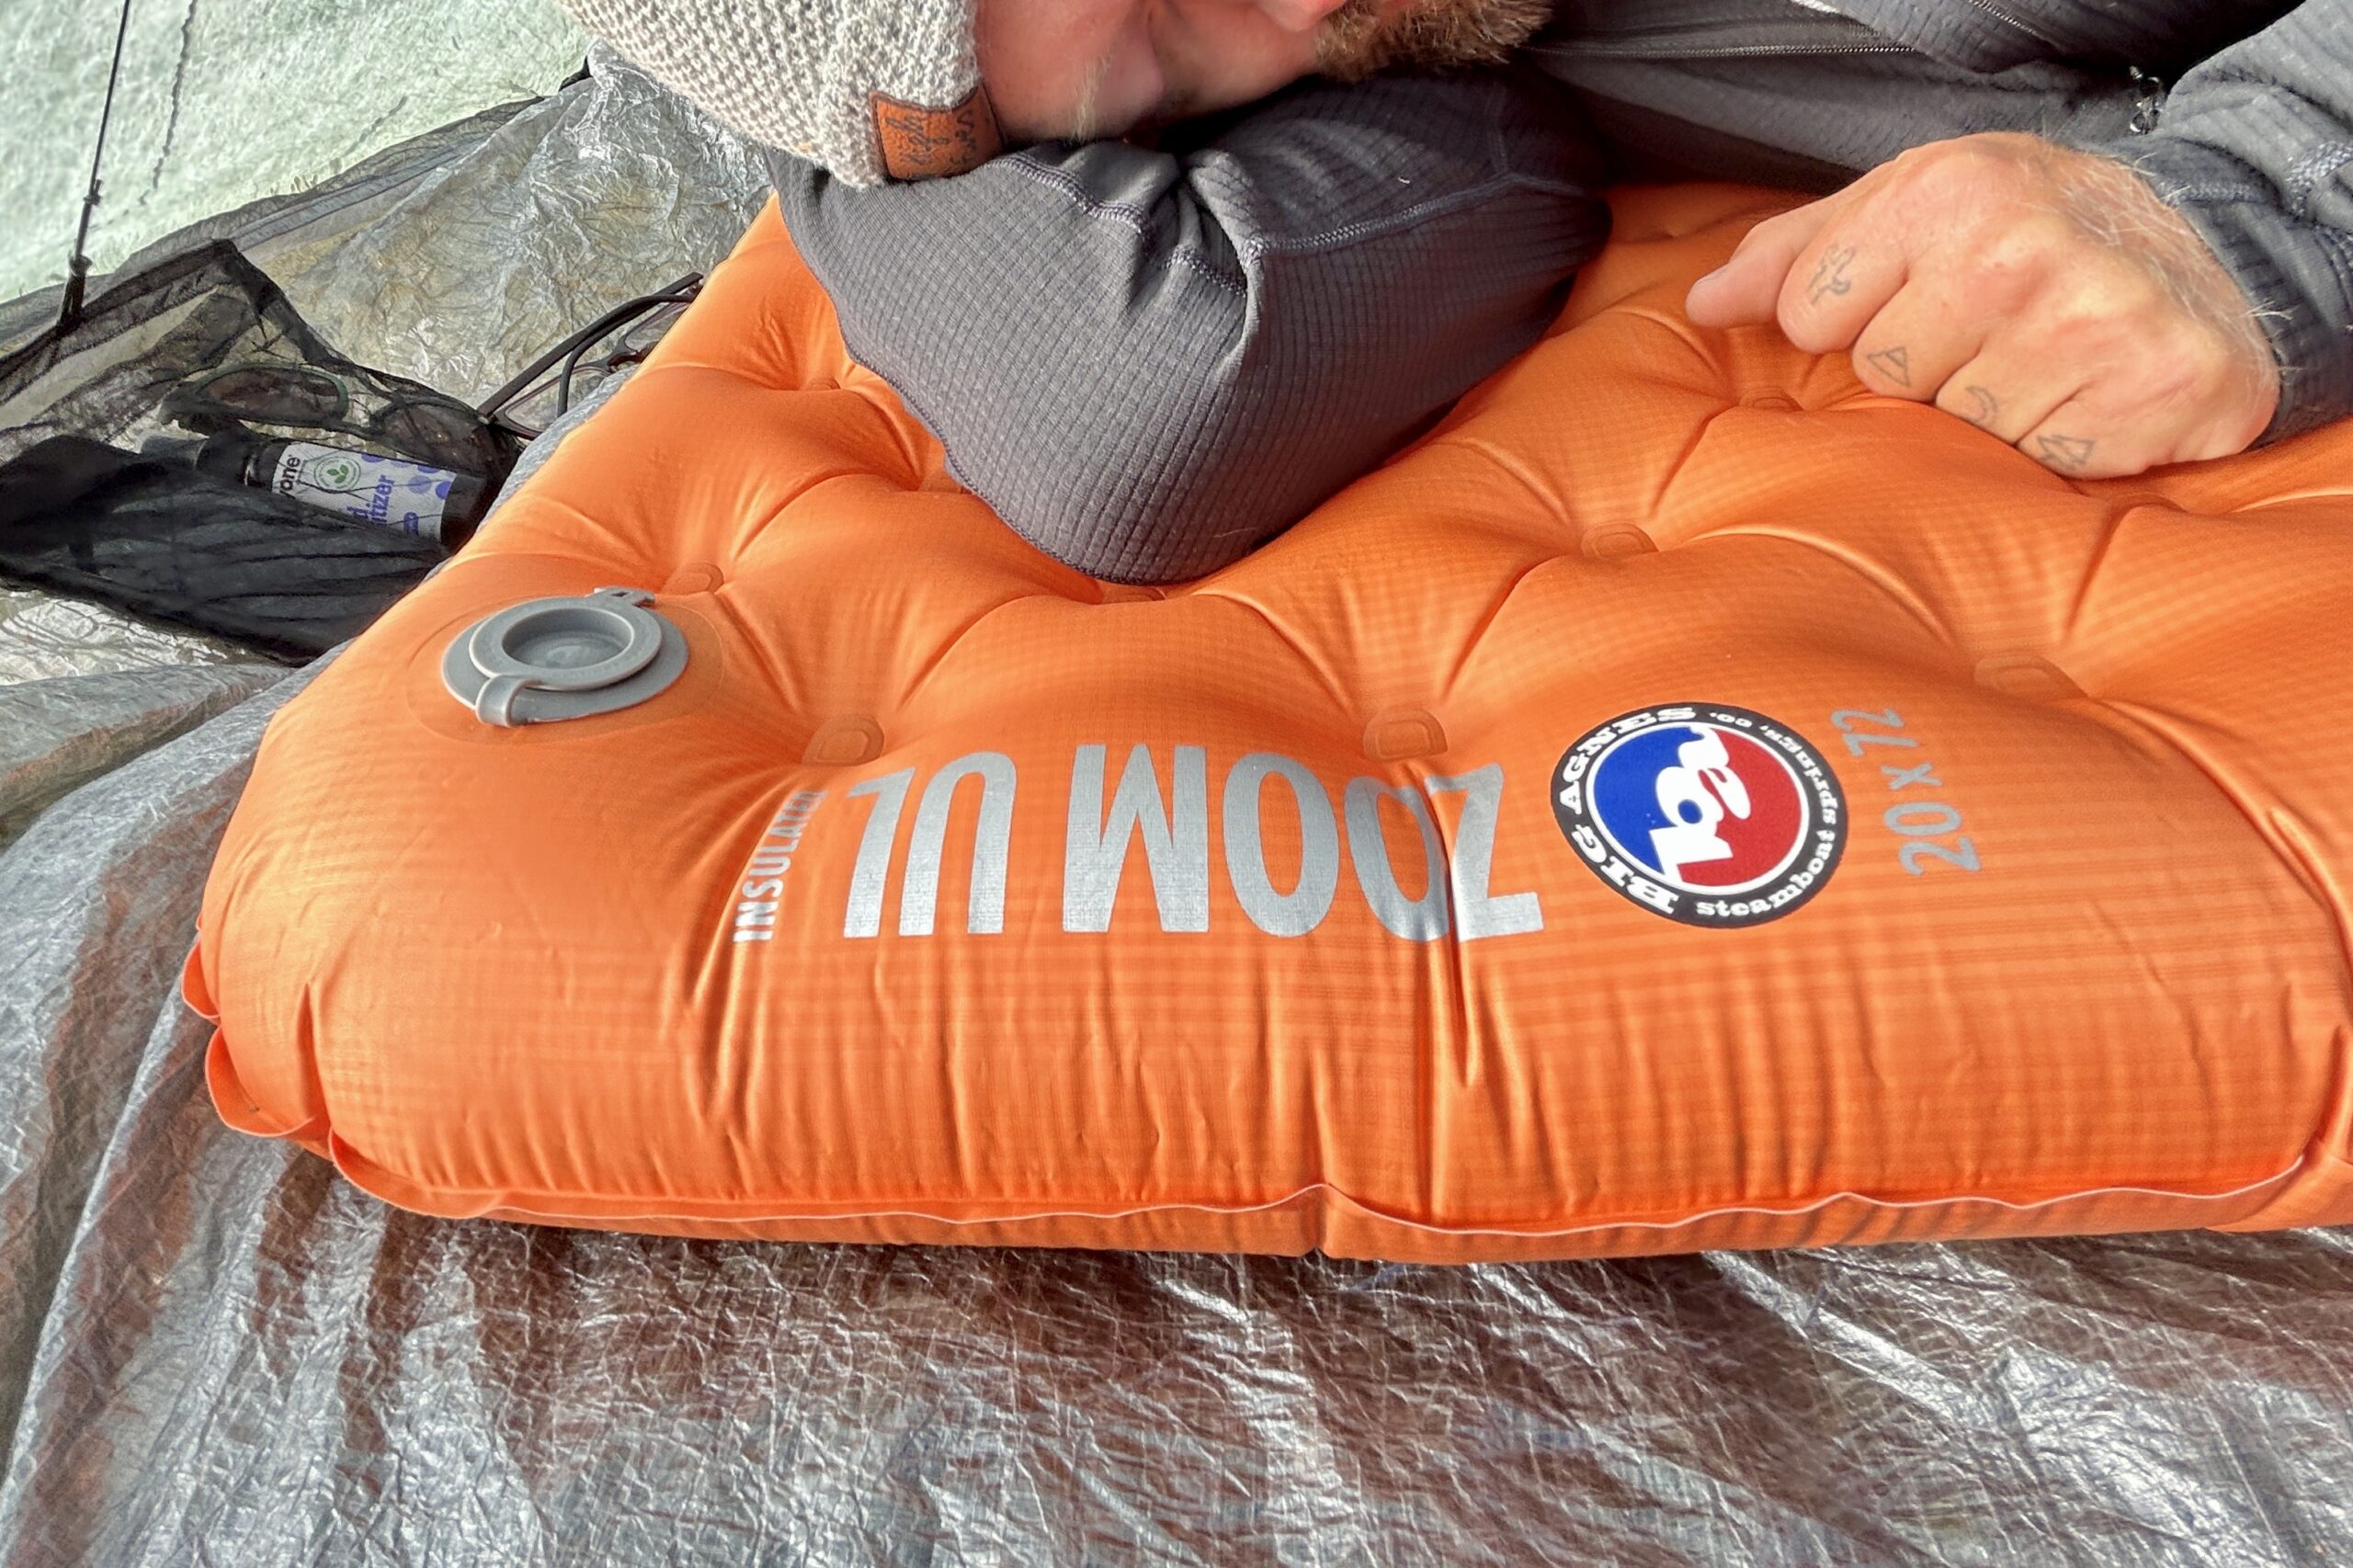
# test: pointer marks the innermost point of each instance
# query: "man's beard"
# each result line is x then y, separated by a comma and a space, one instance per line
1358, 40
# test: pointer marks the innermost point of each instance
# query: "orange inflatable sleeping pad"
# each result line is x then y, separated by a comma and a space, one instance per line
1684, 802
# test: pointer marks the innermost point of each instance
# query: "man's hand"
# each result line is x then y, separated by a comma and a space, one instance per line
2043, 294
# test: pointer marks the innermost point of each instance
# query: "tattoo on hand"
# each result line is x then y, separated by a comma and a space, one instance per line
2069, 452
1983, 408
1830, 274
1894, 363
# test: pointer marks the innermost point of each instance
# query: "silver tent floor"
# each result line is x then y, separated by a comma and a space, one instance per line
213, 1350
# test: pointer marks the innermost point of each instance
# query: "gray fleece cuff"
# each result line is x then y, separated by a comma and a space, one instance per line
2298, 274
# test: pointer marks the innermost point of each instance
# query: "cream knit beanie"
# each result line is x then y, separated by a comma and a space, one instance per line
871, 89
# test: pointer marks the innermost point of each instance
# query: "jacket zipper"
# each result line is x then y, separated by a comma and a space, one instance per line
2150, 90
2150, 104
1657, 42
2010, 20
1630, 50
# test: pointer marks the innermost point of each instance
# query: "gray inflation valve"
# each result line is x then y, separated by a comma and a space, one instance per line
565, 658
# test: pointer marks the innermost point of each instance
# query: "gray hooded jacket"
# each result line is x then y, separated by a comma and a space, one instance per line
1148, 360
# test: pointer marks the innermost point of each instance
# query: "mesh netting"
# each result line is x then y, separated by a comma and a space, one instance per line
101, 495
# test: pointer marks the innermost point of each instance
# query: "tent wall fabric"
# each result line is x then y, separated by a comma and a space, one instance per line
1628, 823
228, 100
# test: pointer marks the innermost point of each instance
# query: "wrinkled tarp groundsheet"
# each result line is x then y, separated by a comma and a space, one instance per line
213, 1350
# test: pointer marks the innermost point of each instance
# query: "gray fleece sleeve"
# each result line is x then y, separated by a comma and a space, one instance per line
1149, 362
2255, 147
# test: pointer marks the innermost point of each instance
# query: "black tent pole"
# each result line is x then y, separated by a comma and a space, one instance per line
77, 269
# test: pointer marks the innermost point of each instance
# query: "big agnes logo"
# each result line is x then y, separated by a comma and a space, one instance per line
1710, 816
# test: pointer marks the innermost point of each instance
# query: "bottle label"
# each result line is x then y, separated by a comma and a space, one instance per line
404, 496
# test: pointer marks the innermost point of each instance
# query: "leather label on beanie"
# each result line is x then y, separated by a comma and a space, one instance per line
925, 143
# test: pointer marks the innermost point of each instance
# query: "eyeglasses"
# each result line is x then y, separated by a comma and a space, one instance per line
304, 397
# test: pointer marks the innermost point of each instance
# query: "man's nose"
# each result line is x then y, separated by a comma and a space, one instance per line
1300, 15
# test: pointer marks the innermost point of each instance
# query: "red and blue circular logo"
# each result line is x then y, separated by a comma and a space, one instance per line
1708, 815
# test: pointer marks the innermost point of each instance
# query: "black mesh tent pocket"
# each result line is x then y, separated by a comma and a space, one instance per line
194, 346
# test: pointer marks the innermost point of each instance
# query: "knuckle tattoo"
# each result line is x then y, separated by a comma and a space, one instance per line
2067, 452
1894, 362
1983, 407
1830, 275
